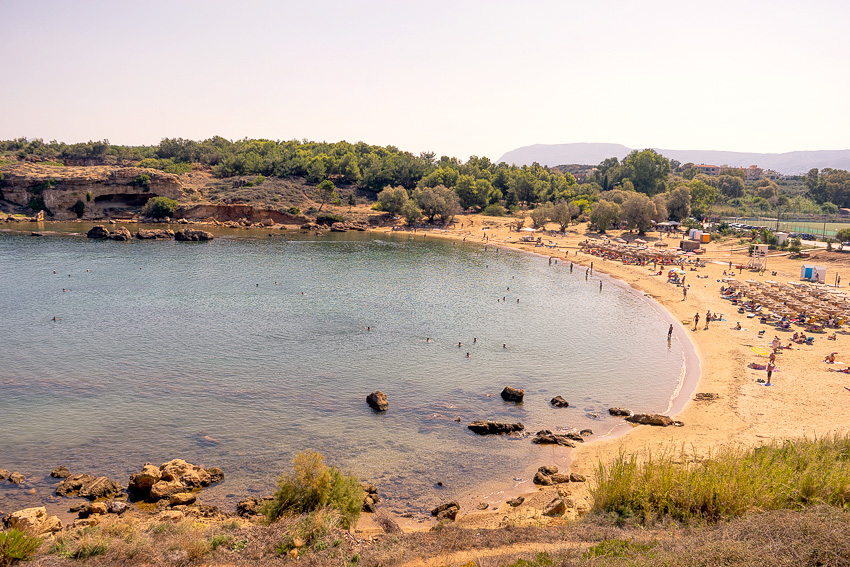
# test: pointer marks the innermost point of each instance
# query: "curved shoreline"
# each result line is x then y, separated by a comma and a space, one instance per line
743, 414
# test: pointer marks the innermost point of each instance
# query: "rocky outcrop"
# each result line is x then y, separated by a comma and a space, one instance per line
177, 476
370, 497
378, 401
225, 213
559, 402
4, 474
549, 475
121, 233
512, 394
88, 486
192, 235
653, 419
546, 437
182, 499
447, 511
155, 234
556, 507
104, 190
494, 428
34, 521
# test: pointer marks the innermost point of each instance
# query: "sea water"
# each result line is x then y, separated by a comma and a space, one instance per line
242, 351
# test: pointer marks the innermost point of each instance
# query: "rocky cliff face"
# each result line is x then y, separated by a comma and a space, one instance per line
105, 191
226, 213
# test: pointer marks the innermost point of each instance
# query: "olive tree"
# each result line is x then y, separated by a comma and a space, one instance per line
392, 199
603, 214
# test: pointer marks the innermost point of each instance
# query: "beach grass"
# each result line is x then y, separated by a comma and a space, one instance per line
728, 483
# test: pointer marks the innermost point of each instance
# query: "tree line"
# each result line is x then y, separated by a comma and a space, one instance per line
641, 188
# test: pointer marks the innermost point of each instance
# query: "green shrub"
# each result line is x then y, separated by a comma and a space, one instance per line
39, 188
729, 484
616, 548
159, 207
16, 546
219, 540
293, 211
313, 485
329, 218
37, 204
79, 208
494, 210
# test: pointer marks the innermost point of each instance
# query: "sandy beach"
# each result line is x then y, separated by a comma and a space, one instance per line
805, 399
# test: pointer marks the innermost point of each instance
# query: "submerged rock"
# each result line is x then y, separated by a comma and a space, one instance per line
155, 234
619, 412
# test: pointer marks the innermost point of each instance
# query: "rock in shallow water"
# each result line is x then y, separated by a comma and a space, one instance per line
494, 428
377, 401
512, 394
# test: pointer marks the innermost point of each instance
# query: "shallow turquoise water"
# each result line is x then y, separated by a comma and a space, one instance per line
262, 344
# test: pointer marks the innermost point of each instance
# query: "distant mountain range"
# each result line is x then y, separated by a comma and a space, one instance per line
790, 163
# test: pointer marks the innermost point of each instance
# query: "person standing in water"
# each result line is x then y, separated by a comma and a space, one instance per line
670, 332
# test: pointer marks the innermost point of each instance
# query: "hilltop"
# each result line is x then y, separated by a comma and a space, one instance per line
789, 163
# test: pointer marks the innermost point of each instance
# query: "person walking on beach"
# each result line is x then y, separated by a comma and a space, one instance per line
591, 268
769, 373
600, 286
571, 267
586, 272
684, 293
707, 319
696, 321
670, 332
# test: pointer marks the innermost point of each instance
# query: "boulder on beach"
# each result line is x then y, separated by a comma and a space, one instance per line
652, 419
192, 235
4, 474
252, 506
378, 401
559, 402
447, 511
494, 428
182, 499
512, 394
556, 507
514, 502
34, 521
619, 412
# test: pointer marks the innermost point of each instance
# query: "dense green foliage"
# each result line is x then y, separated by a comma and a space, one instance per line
477, 183
730, 483
16, 546
312, 485
79, 208
159, 207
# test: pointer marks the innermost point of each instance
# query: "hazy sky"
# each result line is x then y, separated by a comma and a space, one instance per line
458, 78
